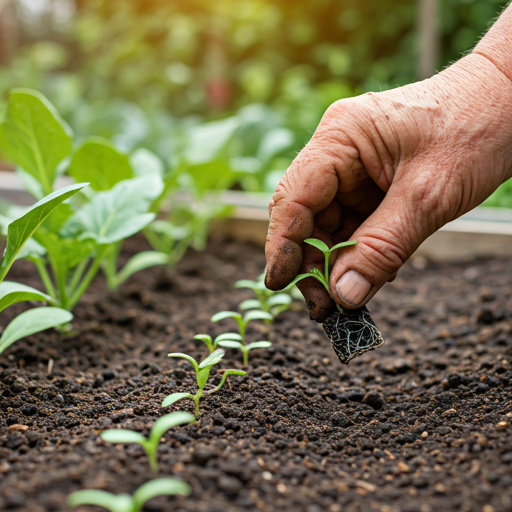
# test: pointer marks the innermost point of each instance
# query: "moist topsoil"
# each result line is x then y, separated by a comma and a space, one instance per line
421, 424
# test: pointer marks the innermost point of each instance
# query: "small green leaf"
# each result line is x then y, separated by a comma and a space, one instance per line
212, 359
122, 436
300, 277
32, 321
163, 424
99, 162
20, 230
159, 487
318, 244
187, 357
174, 398
11, 293
225, 314
246, 283
249, 304
203, 337
202, 377
112, 502
230, 344
34, 136
228, 336
258, 344
257, 315
279, 299
141, 261
343, 244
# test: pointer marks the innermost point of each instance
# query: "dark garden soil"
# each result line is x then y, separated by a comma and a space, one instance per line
423, 424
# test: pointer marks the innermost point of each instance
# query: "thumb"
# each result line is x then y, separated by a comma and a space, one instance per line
385, 240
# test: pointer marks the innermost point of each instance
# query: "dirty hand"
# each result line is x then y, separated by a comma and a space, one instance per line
388, 169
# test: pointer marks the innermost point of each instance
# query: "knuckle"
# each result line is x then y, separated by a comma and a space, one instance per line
383, 251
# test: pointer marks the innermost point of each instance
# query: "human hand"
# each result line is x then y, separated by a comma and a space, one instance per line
389, 169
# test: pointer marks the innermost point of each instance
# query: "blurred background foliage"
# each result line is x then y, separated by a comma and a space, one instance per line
143, 73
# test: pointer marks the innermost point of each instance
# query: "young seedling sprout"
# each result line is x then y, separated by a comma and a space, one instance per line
314, 272
237, 341
202, 373
267, 300
127, 503
213, 344
161, 426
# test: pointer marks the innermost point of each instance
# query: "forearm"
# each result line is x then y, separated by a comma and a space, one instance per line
496, 45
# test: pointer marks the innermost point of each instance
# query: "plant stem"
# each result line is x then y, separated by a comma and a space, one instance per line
47, 281
326, 272
61, 282
77, 275
246, 356
197, 397
152, 460
93, 270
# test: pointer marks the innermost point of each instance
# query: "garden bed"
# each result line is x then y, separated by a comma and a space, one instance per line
421, 424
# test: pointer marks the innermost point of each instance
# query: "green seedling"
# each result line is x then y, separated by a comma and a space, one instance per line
267, 300
202, 373
213, 344
314, 272
238, 341
19, 232
150, 444
79, 237
127, 503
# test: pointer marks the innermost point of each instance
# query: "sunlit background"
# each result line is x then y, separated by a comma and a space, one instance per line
135, 70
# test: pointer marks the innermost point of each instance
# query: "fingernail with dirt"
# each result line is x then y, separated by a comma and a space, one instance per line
353, 287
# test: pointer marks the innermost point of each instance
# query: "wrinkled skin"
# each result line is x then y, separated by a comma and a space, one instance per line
389, 169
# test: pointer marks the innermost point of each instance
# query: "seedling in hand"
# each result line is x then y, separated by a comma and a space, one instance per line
267, 300
127, 503
161, 426
238, 342
202, 373
314, 272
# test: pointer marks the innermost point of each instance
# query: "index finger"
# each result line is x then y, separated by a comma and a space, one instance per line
307, 187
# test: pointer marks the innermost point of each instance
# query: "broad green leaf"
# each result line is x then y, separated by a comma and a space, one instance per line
279, 299
163, 424
31, 250
174, 398
274, 141
65, 253
215, 175
343, 244
144, 163
230, 344
206, 141
212, 359
318, 244
122, 436
141, 261
34, 136
116, 214
247, 283
20, 230
54, 222
11, 292
187, 357
228, 336
32, 321
159, 487
250, 304
112, 502
257, 314
99, 162
258, 344
30, 184
202, 377
225, 314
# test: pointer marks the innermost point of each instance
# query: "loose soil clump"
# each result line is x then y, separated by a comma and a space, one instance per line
422, 424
